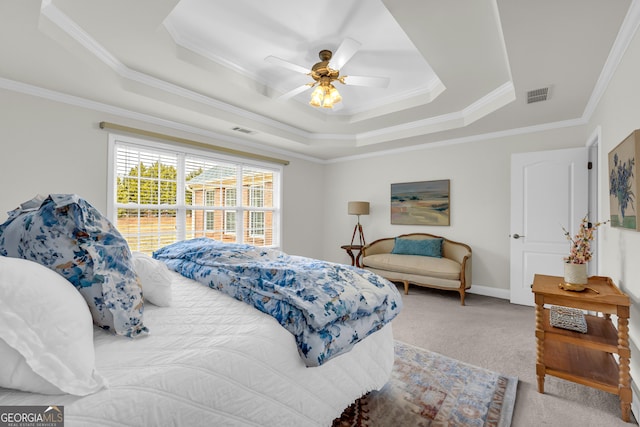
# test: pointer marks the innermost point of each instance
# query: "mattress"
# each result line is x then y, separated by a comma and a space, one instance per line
211, 360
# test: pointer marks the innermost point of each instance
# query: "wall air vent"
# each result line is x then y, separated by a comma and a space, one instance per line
537, 95
243, 130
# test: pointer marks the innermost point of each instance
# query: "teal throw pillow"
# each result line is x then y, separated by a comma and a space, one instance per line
424, 247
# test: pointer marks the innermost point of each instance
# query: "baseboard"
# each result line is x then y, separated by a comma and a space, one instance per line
489, 291
635, 409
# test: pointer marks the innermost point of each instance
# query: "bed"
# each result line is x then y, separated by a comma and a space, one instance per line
199, 357
211, 360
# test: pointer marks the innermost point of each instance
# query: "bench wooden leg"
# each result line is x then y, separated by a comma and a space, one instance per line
462, 296
406, 287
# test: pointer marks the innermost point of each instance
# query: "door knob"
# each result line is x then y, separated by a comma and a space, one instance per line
517, 236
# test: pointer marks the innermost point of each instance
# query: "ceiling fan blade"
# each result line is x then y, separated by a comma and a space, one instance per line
381, 82
286, 64
295, 91
345, 51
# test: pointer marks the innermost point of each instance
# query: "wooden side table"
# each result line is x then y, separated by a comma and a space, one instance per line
586, 359
355, 259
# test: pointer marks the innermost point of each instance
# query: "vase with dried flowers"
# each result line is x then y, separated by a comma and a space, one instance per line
575, 269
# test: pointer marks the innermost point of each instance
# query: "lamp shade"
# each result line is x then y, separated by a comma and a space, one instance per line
358, 208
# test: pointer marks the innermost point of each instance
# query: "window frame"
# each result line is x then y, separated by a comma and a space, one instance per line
182, 153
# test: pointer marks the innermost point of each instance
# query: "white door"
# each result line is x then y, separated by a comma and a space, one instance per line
548, 192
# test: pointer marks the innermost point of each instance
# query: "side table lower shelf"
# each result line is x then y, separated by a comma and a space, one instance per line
581, 365
602, 334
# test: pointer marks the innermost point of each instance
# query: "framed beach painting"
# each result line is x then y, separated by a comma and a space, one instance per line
420, 203
624, 183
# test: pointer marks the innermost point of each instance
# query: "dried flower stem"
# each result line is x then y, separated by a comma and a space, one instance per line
581, 244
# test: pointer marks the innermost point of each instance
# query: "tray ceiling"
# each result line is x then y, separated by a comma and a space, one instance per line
456, 70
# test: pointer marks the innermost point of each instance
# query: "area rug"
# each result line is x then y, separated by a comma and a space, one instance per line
429, 389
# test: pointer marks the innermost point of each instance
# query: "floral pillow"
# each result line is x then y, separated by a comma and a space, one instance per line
66, 234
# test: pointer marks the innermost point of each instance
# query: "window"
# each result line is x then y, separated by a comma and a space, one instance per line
230, 216
256, 218
230, 196
256, 224
209, 220
229, 221
209, 197
160, 194
256, 196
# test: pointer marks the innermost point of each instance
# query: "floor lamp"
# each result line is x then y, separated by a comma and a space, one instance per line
358, 208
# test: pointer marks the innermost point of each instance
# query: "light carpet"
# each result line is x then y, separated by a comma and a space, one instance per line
429, 389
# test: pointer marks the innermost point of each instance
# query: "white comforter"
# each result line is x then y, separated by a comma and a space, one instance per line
213, 361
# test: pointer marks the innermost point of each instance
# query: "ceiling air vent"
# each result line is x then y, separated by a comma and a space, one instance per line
243, 130
537, 95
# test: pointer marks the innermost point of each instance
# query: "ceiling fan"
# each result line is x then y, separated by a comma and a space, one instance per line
327, 71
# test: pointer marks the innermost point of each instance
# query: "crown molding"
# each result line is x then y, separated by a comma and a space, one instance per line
194, 47
76, 101
465, 140
52, 95
57, 17
627, 31
493, 100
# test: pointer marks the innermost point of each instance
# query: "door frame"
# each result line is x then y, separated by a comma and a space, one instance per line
594, 153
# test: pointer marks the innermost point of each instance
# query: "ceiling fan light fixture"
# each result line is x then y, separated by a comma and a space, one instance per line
317, 97
325, 72
334, 95
325, 95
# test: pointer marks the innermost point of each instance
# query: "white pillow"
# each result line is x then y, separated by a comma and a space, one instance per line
46, 332
155, 278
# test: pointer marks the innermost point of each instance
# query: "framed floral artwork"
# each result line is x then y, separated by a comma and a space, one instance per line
624, 183
420, 203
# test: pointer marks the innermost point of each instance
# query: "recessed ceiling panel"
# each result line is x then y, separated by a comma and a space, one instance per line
295, 31
150, 60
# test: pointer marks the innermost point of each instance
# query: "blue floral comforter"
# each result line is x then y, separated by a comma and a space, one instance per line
328, 307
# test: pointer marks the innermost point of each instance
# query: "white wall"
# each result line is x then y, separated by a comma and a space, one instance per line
51, 147
303, 207
479, 174
617, 115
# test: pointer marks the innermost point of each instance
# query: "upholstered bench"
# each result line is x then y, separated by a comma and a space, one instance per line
421, 259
